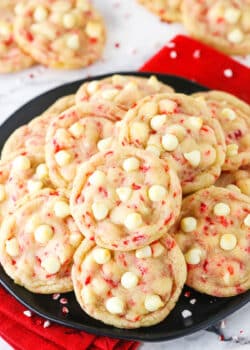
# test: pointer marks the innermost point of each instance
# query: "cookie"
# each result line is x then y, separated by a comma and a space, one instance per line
12, 58
233, 115
64, 34
113, 96
38, 241
179, 126
129, 289
125, 198
72, 138
224, 24
31, 136
167, 10
242, 180
23, 174
213, 232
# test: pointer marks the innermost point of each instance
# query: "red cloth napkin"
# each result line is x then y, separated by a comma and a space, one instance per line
185, 57
191, 59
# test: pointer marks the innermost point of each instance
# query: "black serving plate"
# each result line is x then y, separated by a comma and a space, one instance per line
206, 311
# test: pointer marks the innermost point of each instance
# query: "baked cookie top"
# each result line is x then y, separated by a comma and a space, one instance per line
167, 10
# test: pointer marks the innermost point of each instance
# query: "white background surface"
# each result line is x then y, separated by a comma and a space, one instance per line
139, 35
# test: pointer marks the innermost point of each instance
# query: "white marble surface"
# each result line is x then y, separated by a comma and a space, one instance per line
139, 35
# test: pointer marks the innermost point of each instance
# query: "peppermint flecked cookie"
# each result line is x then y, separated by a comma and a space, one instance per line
234, 116
72, 138
213, 232
31, 136
242, 180
23, 174
38, 241
113, 96
62, 34
129, 289
125, 198
179, 126
224, 24
167, 10
12, 58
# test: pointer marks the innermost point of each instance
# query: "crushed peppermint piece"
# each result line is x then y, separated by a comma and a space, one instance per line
193, 301
55, 296
46, 324
197, 54
186, 313
222, 338
228, 73
173, 54
170, 44
65, 310
27, 313
235, 338
64, 301
187, 294
117, 45
223, 324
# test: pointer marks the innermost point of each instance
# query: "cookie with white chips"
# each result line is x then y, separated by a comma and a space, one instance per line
167, 10
224, 24
72, 138
114, 95
179, 126
125, 198
234, 117
213, 232
64, 34
38, 241
129, 289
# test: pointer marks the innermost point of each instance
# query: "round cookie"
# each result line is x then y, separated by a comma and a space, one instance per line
12, 58
224, 24
64, 34
115, 95
167, 10
179, 126
213, 232
125, 198
234, 117
31, 136
72, 138
22, 174
38, 241
129, 289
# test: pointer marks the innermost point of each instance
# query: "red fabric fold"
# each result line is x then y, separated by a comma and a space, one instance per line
193, 60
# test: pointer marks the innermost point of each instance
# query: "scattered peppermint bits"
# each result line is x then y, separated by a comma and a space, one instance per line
193, 301
186, 313
63, 301
65, 310
46, 324
197, 54
56, 296
173, 54
228, 73
27, 313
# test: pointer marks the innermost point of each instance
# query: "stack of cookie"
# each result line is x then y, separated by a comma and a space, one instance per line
61, 34
124, 193
224, 24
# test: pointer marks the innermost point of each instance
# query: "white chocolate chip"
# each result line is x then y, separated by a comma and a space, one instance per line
2, 193
232, 150
221, 209
104, 144
63, 158
61, 6
148, 109
32, 223
110, 94
233, 188
158, 121
69, 20
77, 129
12, 247
194, 123
98, 178
226, 278
139, 131
235, 36
83, 5
43, 233
188, 224
193, 256
193, 157
100, 287
51, 264
61, 209
232, 15
169, 142
177, 130
93, 29
167, 106
5, 29
34, 186
143, 253
228, 113
118, 79
133, 221
131, 164
75, 239
129, 280
87, 295
244, 185
154, 149
42, 171
101, 255
21, 163
157, 193
19, 8
100, 210
153, 302
157, 249
115, 305
154, 83
247, 220
73, 41
124, 193
92, 87
40, 14
228, 241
